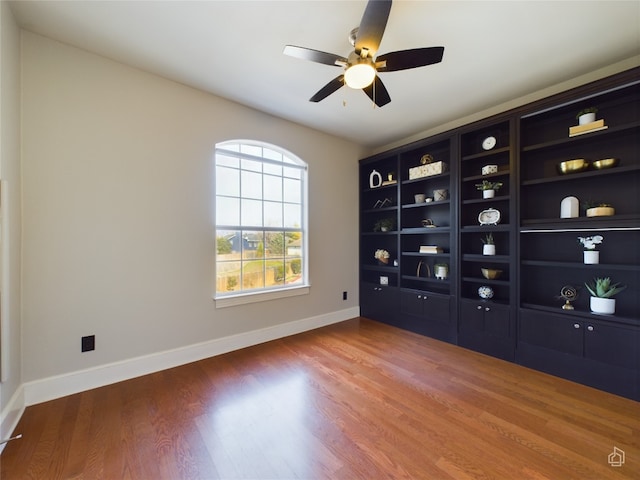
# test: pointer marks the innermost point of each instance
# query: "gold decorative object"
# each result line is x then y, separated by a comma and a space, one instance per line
420, 265
605, 163
491, 273
573, 166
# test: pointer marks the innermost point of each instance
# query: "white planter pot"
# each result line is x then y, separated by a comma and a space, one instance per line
586, 118
591, 257
488, 193
488, 249
603, 305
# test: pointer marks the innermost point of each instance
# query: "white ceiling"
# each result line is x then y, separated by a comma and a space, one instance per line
494, 52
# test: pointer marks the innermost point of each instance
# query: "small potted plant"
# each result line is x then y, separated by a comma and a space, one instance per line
602, 292
384, 225
489, 247
591, 255
488, 188
586, 115
382, 256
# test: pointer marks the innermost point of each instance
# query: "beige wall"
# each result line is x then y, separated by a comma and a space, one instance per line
118, 218
10, 345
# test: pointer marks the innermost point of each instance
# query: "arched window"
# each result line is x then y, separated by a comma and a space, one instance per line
261, 223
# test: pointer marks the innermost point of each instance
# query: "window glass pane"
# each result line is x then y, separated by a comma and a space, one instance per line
227, 211
227, 276
272, 154
274, 244
255, 150
272, 188
251, 185
272, 169
227, 161
292, 172
227, 181
276, 271
253, 274
292, 215
292, 192
252, 245
251, 213
273, 214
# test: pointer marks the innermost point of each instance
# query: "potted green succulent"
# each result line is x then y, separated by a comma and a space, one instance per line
488, 188
489, 247
587, 115
602, 292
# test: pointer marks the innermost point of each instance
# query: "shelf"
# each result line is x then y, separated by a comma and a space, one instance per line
482, 280
499, 173
472, 257
500, 227
580, 313
383, 209
425, 279
613, 222
422, 179
580, 265
394, 232
380, 268
423, 255
580, 138
501, 198
587, 174
421, 230
426, 204
489, 153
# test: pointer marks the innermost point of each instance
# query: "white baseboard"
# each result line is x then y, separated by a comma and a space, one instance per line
11, 414
46, 389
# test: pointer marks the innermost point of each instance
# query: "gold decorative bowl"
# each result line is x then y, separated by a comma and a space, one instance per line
605, 163
573, 166
491, 273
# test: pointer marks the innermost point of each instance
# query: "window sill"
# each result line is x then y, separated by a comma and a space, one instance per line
246, 298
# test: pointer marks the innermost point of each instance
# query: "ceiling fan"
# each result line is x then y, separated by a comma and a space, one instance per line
361, 67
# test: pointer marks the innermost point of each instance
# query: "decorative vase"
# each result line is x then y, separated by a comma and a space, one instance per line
569, 208
375, 179
591, 257
586, 118
605, 306
488, 249
383, 261
419, 197
488, 193
440, 194
441, 272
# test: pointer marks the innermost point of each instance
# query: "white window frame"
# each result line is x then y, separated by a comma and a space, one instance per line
265, 293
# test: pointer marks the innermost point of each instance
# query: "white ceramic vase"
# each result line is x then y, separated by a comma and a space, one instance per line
586, 118
488, 193
591, 257
603, 305
488, 249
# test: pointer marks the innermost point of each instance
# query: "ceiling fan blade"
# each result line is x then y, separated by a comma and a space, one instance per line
328, 89
314, 55
405, 59
372, 26
377, 92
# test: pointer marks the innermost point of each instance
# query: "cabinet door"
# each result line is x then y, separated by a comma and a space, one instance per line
378, 302
471, 317
612, 344
551, 331
411, 302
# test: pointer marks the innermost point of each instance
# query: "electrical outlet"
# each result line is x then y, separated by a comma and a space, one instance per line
344, 295
88, 343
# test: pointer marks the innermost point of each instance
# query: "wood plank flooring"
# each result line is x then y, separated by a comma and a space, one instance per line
356, 400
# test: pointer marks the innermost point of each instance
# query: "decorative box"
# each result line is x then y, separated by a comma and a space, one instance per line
435, 168
488, 169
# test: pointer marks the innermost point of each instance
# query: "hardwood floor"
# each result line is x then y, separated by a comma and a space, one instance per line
357, 400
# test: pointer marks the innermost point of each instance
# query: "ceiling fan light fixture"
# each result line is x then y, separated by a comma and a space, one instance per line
360, 75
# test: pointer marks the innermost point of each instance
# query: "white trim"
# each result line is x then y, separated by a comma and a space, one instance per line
11, 414
260, 296
46, 389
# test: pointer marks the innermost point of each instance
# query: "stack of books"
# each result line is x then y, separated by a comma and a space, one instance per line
430, 249
587, 128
